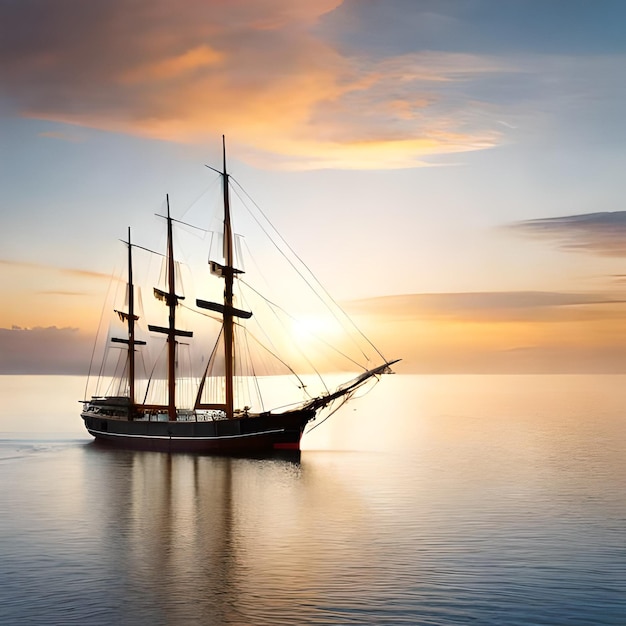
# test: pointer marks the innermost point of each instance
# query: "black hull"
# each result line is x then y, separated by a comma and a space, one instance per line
250, 435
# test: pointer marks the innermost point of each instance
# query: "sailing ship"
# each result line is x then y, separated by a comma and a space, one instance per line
220, 425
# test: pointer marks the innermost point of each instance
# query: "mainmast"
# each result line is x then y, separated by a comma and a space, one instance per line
228, 292
131, 325
172, 302
228, 311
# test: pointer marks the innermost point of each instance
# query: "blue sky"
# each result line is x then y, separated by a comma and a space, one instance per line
402, 147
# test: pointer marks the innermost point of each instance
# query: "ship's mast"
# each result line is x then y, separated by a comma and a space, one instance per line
228, 311
131, 326
130, 318
172, 302
228, 292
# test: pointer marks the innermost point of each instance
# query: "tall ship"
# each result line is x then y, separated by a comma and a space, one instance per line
210, 408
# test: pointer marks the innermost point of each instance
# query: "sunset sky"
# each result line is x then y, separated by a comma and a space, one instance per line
453, 171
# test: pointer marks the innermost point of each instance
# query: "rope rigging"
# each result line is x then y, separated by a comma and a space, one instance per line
249, 350
310, 273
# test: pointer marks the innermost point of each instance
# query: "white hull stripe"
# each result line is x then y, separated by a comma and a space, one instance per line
174, 438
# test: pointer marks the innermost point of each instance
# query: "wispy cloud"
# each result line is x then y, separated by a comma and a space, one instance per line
492, 307
67, 271
72, 137
258, 71
499, 332
40, 294
60, 293
602, 234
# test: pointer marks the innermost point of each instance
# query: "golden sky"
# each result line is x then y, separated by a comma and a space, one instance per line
452, 173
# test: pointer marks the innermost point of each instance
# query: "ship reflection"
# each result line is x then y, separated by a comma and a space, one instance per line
200, 539
182, 516
179, 526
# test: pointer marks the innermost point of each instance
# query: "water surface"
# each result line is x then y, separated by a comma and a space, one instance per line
432, 500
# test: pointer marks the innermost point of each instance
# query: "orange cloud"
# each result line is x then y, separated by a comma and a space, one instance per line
259, 71
39, 295
514, 332
69, 271
167, 69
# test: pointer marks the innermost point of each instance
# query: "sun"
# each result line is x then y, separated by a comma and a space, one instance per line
310, 328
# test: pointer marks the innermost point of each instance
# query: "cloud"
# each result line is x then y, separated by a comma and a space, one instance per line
46, 296
498, 332
67, 271
602, 234
493, 307
71, 137
260, 71
41, 350
60, 293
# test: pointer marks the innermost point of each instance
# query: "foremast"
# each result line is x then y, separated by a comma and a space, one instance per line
130, 317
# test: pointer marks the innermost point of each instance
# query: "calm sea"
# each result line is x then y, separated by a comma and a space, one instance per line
432, 500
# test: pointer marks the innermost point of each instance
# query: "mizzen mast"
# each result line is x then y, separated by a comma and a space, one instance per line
171, 299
